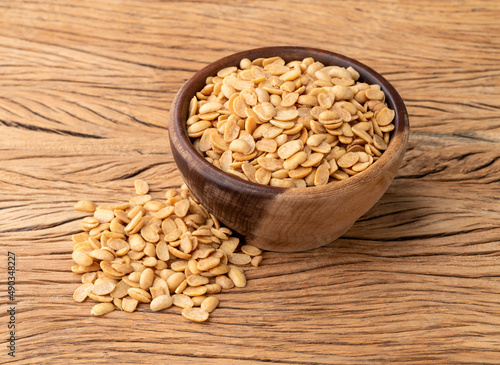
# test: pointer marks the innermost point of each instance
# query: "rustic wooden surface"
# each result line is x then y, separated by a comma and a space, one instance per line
85, 89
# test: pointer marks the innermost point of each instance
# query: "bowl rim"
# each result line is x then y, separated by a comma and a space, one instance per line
178, 116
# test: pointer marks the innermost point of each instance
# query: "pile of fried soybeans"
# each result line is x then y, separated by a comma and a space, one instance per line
158, 252
295, 124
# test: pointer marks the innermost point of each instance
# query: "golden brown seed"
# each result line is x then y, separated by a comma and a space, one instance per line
182, 300
141, 187
286, 114
270, 164
239, 258
272, 132
89, 277
251, 250
193, 291
282, 183
140, 200
160, 265
120, 246
84, 246
82, 292
209, 107
164, 212
379, 143
295, 160
290, 148
82, 258
186, 244
149, 261
179, 265
154, 206
340, 175
80, 237
197, 280
162, 251
139, 294
374, 94
79, 269
102, 309
130, 283
213, 288
192, 266
197, 300
156, 291
312, 160
315, 140
196, 129
117, 227
181, 208
166, 273
323, 148
136, 242
360, 166
178, 253
266, 145
174, 280
173, 235
100, 298
147, 278
195, 314
129, 304
230, 245
289, 99
239, 145
322, 174
219, 269
118, 303
347, 160
219, 234
161, 283
263, 176
256, 260
136, 222
362, 133
123, 268
150, 234
88, 223
231, 131
299, 172
224, 282
120, 290
386, 129
209, 304
238, 277
168, 225
103, 286
134, 211
101, 255
136, 275
85, 206
207, 263
181, 287
161, 302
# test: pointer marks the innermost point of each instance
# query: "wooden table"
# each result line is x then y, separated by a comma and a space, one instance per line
85, 92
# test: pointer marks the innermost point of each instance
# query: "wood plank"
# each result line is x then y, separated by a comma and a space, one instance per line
84, 98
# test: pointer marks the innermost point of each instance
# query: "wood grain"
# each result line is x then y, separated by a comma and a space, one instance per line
85, 92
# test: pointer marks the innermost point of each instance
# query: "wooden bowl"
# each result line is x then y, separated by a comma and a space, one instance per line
280, 219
